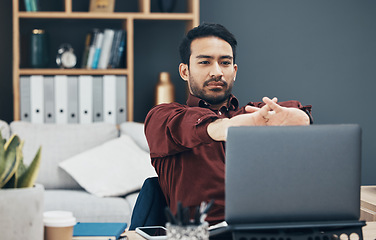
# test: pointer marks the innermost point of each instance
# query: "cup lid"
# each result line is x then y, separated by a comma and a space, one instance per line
58, 219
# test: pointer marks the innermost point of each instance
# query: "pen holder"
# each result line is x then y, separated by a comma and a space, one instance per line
191, 232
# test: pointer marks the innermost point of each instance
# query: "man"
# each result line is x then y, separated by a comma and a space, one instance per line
187, 142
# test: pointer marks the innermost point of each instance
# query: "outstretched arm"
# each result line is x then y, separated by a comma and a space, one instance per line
217, 130
271, 114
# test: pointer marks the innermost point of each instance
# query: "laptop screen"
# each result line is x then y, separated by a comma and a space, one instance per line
293, 174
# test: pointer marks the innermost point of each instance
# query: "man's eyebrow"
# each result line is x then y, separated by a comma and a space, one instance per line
222, 57
204, 56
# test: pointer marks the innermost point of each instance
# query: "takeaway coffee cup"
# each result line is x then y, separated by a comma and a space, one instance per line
58, 225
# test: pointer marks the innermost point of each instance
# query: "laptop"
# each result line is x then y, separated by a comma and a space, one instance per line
291, 176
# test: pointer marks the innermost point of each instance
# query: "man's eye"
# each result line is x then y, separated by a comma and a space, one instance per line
226, 63
204, 62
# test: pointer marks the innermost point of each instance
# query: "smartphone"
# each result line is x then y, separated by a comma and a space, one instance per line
152, 232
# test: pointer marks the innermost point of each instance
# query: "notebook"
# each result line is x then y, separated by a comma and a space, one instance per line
98, 231
292, 175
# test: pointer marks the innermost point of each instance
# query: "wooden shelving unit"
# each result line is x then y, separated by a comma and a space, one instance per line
191, 17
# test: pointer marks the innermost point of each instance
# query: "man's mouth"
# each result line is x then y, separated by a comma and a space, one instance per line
215, 84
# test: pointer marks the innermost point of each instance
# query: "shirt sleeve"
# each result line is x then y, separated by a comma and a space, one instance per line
173, 128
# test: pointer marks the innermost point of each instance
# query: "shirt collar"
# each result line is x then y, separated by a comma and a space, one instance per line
194, 101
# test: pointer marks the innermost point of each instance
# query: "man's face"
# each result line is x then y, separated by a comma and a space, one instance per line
211, 73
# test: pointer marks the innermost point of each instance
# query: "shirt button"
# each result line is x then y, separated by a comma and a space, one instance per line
220, 113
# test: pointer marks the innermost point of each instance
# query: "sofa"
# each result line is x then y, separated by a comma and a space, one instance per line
94, 170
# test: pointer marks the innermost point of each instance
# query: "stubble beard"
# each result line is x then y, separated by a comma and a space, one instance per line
213, 98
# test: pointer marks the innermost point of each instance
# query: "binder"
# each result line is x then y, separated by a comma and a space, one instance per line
72, 99
37, 98
106, 48
109, 98
25, 98
61, 99
85, 98
49, 99
97, 98
121, 101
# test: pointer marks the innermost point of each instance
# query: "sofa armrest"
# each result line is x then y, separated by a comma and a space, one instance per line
4, 129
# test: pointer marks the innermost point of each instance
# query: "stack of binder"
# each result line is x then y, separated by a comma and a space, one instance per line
73, 99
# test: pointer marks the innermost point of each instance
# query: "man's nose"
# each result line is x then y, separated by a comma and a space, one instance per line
216, 70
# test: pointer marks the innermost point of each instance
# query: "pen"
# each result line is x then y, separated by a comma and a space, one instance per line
197, 215
170, 217
210, 204
180, 214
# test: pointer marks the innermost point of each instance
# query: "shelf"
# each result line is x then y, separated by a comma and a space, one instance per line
92, 15
24, 21
75, 71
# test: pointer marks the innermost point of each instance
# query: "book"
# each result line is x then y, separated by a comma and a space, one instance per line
93, 39
106, 48
117, 49
85, 54
98, 231
98, 48
28, 5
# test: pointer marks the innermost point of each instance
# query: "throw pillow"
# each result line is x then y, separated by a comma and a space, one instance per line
115, 168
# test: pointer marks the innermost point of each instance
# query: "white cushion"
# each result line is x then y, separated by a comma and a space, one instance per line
4, 129
60, 142
136, 131
115, 168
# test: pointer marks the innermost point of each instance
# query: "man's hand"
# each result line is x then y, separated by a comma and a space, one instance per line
283, 116
217, 130
269, 115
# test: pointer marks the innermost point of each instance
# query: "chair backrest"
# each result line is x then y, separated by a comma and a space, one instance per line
150, 205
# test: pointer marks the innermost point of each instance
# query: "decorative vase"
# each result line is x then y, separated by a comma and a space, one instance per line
164, 90
39, 49
166, 5
21, 213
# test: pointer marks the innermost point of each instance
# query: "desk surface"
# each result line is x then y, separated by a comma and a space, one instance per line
369, 233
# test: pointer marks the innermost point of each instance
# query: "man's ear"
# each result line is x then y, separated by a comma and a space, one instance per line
236, 70
184, 71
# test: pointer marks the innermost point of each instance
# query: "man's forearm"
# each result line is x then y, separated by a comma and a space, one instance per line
217, 130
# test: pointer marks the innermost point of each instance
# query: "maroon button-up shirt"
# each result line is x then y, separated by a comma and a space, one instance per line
190, 165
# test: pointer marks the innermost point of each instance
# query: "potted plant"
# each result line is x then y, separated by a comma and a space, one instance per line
21, 202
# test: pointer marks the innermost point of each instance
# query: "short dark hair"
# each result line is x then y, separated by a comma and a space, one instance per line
205, 30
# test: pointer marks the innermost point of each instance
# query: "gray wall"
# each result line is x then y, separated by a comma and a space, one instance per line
319, 52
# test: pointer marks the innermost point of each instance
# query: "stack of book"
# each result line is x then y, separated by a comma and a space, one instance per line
73, 99
31, 5
104, 49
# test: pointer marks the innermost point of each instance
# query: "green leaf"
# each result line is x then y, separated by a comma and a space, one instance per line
9, 163
29, 176
11, 183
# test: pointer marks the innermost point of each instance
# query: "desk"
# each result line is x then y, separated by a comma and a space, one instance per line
369, 233
368, 203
